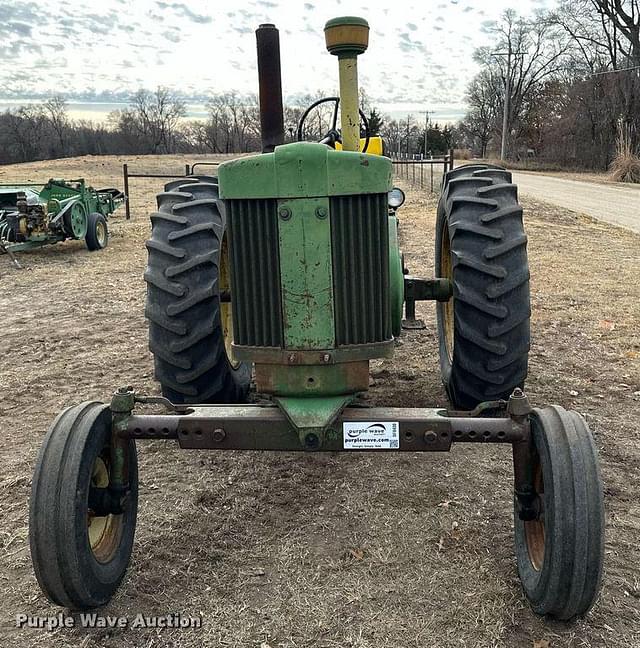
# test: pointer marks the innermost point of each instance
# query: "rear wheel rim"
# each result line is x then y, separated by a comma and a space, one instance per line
448, 315
103, 532
534, 530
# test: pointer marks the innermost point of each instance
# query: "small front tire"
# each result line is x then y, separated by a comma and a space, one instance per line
560, 552
78, 555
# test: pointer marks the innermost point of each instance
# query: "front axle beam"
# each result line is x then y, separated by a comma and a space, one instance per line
256, 427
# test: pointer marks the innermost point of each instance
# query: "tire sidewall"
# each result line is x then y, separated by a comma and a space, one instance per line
543, 587
91, 238
98, 580
442, 229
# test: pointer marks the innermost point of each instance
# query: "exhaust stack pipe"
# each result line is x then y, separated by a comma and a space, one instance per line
270, 87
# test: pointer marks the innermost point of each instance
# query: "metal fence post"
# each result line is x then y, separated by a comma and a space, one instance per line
125, 173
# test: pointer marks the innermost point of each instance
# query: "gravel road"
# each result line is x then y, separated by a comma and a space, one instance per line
615, 203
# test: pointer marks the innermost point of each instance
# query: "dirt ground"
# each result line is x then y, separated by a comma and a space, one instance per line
319, 550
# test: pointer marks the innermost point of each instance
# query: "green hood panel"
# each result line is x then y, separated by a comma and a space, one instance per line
304, 170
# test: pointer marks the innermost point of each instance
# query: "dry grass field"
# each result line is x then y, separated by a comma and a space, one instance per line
318, 550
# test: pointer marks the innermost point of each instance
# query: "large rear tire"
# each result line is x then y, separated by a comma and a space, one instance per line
483, 329
190, 327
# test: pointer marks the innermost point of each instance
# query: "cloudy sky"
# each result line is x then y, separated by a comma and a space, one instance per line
420, 53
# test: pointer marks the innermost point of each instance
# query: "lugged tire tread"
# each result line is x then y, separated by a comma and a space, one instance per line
491, 285
182, 304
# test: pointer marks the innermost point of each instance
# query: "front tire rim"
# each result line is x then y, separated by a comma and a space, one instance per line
448, 314
101, 234
534, 530
103, 532
226, 313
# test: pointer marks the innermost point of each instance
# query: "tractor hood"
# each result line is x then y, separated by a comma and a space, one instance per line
304, 169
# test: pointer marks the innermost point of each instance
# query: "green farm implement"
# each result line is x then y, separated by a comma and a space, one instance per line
287, 268
35, 215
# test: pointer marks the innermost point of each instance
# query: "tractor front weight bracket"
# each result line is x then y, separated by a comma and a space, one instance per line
266, 427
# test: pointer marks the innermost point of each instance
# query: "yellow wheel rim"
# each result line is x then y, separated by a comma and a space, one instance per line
226, 314
534, 531
446, 272
101, 233
103, 531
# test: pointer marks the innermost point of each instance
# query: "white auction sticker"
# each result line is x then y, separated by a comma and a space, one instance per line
371, 436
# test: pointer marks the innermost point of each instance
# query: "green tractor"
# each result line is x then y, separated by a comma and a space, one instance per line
60, 210
287, 268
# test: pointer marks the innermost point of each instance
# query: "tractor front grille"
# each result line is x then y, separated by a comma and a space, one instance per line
255, 272
360, 248
359, 242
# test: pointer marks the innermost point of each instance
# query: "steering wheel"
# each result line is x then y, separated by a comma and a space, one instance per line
333, 135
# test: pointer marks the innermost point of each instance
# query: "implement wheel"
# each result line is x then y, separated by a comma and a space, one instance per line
560, 552
80, 549
483, 329
188, 297
97, 235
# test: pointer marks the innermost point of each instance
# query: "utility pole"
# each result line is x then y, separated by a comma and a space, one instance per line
507, 99
426, 128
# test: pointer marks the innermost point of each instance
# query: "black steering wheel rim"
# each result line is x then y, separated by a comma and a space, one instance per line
334, 121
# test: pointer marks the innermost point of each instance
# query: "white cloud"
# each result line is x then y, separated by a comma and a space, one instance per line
420, 53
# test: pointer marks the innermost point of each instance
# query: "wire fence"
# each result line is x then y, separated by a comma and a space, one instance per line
423, 173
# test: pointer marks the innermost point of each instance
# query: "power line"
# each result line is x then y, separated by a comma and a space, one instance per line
635, 67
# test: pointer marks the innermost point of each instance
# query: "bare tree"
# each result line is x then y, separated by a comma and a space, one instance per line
535, 49
234, 123
153, 119
483, 96
55, 110
624, 25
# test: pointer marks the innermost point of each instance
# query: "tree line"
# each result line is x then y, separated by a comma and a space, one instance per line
573, 75
156, 123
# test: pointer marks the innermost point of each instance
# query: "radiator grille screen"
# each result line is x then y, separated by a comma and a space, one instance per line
360, 240
255, 272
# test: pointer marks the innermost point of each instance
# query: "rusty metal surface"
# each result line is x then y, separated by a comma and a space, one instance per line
251, 427
311, 380
270, 87
347, 353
